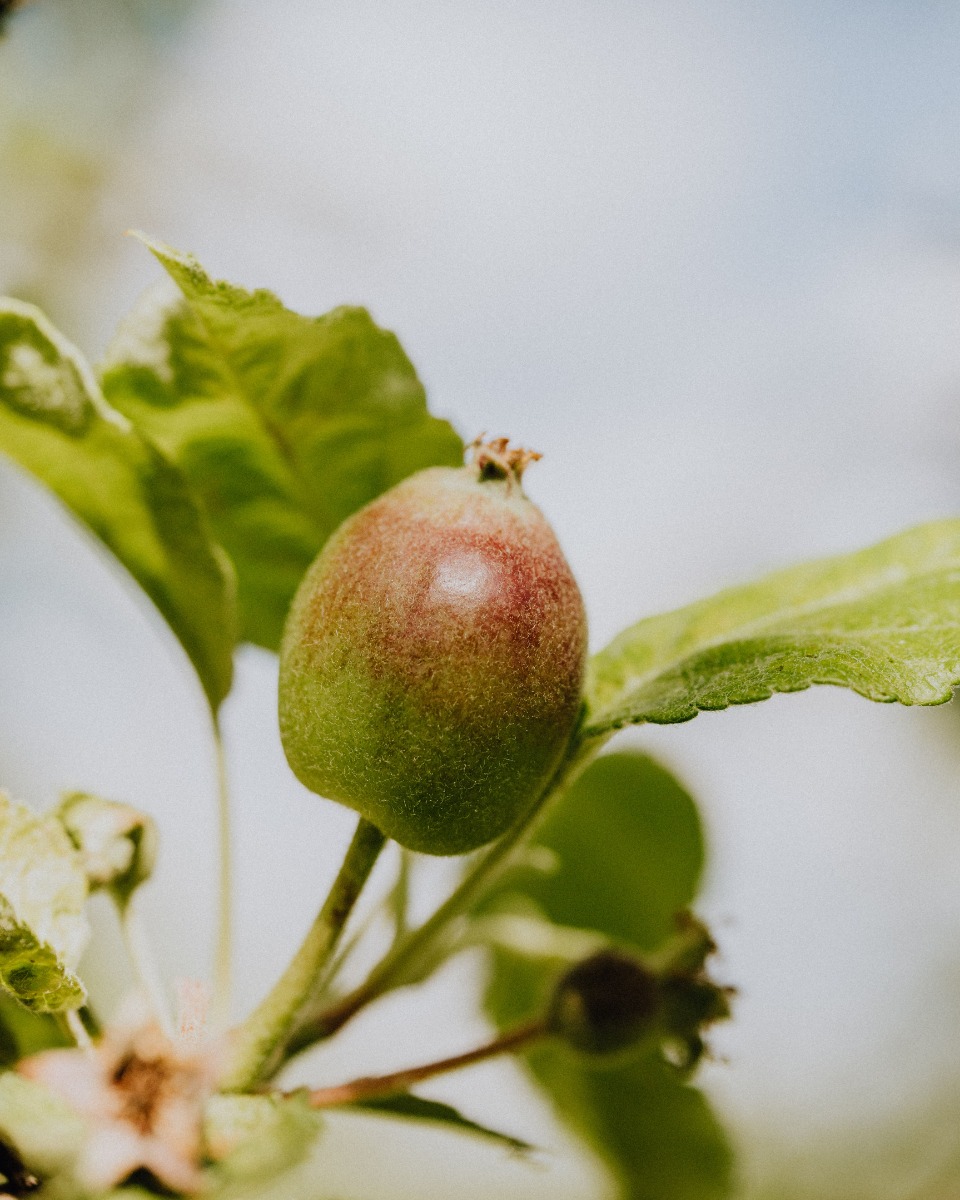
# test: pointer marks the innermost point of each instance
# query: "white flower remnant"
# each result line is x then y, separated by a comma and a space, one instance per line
143, 1095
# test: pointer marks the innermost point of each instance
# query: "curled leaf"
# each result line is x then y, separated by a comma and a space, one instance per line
407, 1106
117, 843
56, 424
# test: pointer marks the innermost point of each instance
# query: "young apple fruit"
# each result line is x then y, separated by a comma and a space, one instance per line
432, 661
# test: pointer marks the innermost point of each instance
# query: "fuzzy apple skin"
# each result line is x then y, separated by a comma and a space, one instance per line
432, 662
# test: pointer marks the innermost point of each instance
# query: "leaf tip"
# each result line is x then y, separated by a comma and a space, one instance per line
167, 256
143, 238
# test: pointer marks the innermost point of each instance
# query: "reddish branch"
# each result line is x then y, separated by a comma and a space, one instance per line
401, 1081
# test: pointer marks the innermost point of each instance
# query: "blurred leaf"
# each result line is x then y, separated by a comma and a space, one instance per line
416, 1108
23, 1032
884, 621
397, 901
43, 930
55, 423
656, 1133
628, 852
284, 424
44, 1130
255, 1139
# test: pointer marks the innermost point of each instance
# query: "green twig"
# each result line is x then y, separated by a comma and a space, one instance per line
142, 961
404, 957
261, 1040
223, 963
396, 905
72, 1025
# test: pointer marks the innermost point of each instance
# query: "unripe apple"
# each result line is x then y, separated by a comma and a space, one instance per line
432, 661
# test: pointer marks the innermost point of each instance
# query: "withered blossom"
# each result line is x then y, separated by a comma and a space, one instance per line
143, 1094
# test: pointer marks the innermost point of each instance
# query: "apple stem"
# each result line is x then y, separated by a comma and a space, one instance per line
403, 958
261, 1040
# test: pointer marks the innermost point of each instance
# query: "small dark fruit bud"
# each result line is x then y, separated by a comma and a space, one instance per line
6, 8
432, 662
606, 1004
614, 1002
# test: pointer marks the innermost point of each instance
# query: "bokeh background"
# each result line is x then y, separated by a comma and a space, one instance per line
706, 257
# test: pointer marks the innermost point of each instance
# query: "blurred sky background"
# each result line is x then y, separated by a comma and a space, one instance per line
706, 257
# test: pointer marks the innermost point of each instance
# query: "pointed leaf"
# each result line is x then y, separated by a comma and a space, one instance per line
416, 1108
43, 888
56, 424
627, 852
884, 621
284, 424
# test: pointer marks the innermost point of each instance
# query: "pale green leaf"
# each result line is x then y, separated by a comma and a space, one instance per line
284, 424
44, 1130
255, 1139
621, 853
55, 423
884, 621
43, 930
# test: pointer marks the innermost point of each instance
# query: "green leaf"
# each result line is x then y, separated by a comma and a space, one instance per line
284, 424
884, 621
656, 1133
627, 852
23, 1032
43, 889
55, 423
416, 1108
255, 1139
